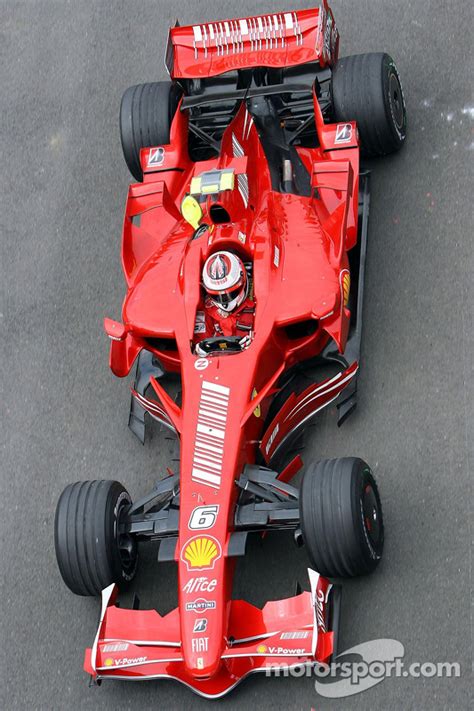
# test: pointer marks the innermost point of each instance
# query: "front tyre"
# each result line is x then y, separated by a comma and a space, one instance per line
341, 517
366, 88
90, 551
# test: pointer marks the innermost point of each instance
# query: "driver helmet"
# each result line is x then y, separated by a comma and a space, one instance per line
225, 280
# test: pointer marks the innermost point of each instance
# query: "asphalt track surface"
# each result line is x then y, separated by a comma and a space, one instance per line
63, 68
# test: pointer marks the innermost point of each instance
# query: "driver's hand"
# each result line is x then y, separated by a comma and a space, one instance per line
199, 351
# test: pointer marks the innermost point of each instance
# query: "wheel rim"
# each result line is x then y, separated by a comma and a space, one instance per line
371, 516
396, 97
127, 545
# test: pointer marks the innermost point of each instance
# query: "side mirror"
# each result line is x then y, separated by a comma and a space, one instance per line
114, 329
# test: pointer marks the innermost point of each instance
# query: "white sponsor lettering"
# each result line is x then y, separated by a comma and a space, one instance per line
276, 257
272, 438
285, 650
297, 634
200, 323
129, 660
200, 585
200, 644
115, 647
319, 609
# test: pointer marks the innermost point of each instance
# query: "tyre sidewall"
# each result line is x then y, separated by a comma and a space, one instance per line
389, 68
371, 554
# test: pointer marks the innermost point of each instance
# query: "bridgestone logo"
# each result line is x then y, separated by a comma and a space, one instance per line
210, 434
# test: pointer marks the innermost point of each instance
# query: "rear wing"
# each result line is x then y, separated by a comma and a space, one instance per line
278, 40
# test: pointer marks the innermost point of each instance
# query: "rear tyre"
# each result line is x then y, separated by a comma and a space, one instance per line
146, 113
91, 553
366, 88
341, 517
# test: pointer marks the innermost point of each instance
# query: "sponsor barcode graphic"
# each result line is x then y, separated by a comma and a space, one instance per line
299, 634
210, 434
243, 186
117, 647
247, 34
237, 148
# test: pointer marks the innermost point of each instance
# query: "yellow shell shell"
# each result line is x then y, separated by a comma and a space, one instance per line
200, 552
262, 649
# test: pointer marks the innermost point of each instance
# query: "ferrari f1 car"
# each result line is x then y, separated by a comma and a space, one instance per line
253, 146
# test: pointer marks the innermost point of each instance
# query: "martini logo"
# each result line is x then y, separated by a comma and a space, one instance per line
200, 605
201, 553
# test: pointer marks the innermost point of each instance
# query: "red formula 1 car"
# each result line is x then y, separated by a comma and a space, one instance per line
243, 251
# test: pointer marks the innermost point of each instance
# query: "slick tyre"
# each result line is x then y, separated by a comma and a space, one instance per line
91, 553
366, 88
146, 114
341, 518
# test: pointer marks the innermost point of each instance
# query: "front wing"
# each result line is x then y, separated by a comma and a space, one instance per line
142, 644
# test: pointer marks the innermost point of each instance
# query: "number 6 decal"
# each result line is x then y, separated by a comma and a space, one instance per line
203, 517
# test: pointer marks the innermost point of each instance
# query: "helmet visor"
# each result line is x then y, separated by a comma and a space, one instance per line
227, 300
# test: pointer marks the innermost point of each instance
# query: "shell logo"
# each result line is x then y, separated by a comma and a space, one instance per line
108, 662
346, 286
201, 552
262, 649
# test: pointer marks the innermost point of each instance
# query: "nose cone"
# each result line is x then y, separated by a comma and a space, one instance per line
202, 626
203, 603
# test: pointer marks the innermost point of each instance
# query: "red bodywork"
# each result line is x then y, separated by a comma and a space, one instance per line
298, 247
283, 39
